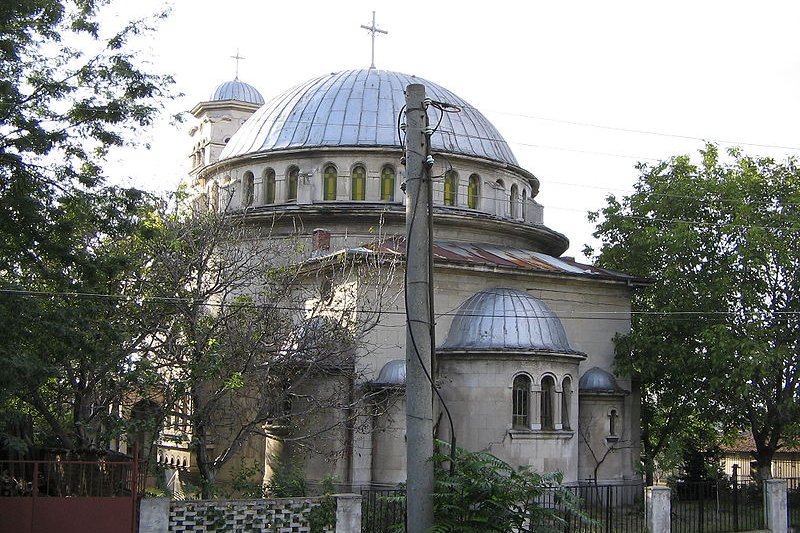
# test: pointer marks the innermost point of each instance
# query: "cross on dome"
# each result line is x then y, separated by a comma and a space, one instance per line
237, 57
373, 29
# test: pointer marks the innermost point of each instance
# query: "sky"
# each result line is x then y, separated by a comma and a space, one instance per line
580, 90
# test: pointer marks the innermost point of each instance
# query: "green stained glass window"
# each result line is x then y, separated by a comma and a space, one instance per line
358, 184
387, 184
450, 188
329, 183
473, 191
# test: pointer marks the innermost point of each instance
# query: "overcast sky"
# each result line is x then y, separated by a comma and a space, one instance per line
560, 80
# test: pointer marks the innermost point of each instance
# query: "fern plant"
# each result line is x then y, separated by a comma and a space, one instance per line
482, 493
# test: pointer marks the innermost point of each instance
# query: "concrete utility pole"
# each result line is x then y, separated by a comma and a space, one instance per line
419, 391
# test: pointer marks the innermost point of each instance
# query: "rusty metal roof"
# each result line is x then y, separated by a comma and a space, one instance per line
501, 256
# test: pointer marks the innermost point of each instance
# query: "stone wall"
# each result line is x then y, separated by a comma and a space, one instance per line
285, 515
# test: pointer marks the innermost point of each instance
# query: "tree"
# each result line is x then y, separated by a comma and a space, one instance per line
68, 241
713, 339
262, 340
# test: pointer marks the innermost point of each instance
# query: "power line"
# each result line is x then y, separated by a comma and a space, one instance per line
644, 132
563, 315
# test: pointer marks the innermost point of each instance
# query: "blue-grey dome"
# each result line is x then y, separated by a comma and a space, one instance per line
393, 373
598, 380
237, 90
500, 319
360, 108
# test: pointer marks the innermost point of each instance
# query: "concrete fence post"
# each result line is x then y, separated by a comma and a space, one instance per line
348, 513
657, 509
154, 515
775, 506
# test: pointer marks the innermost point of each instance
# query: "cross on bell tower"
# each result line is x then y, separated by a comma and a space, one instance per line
373, 30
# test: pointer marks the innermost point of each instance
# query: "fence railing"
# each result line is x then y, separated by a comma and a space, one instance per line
793, 501
607, 508
69, 478
717, 506
382, 509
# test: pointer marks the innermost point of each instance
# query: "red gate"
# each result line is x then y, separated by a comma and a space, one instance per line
68, 496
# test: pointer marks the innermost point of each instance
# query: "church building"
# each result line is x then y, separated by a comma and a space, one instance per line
524, 348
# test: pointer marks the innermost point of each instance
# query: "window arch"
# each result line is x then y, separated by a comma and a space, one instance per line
291, 183
500, 201
548, 403
358, 183
473, 191
329, 181
248, 189
566, 401
387, 184
524, 203
613, 423
514, 203
269, 186
450, 187
521, 405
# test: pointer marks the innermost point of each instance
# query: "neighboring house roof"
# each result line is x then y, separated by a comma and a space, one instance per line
746, 444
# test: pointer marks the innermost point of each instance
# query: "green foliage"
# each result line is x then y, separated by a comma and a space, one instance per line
323, 516
287, 481
713, 338
484, 493
247, 482
70, 245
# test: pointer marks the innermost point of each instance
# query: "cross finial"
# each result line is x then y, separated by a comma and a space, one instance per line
373, 30
237, 57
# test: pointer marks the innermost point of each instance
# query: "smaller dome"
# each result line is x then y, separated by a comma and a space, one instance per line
237, 90
506, 319
393, 373
598, 380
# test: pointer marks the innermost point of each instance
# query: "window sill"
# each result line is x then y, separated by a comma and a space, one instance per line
540, 434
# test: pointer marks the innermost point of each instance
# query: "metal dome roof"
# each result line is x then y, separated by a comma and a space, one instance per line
506, 319
393, 373
360, 108
237, 90
598, 380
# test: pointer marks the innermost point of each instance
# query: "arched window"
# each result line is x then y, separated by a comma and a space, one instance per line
291, 184
500, 200
524, 211
521, 405
248, 189
612, 423
213, 197
566, 400
514, 205
547, 402
329, 179
450, 187
269, 186
387, 184
473, 191
358, 183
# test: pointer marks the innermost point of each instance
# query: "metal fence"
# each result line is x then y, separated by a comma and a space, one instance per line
382, 510
793, 501
605, 509
717, 506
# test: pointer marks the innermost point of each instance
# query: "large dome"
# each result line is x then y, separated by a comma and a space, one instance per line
503, 319
360, 108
